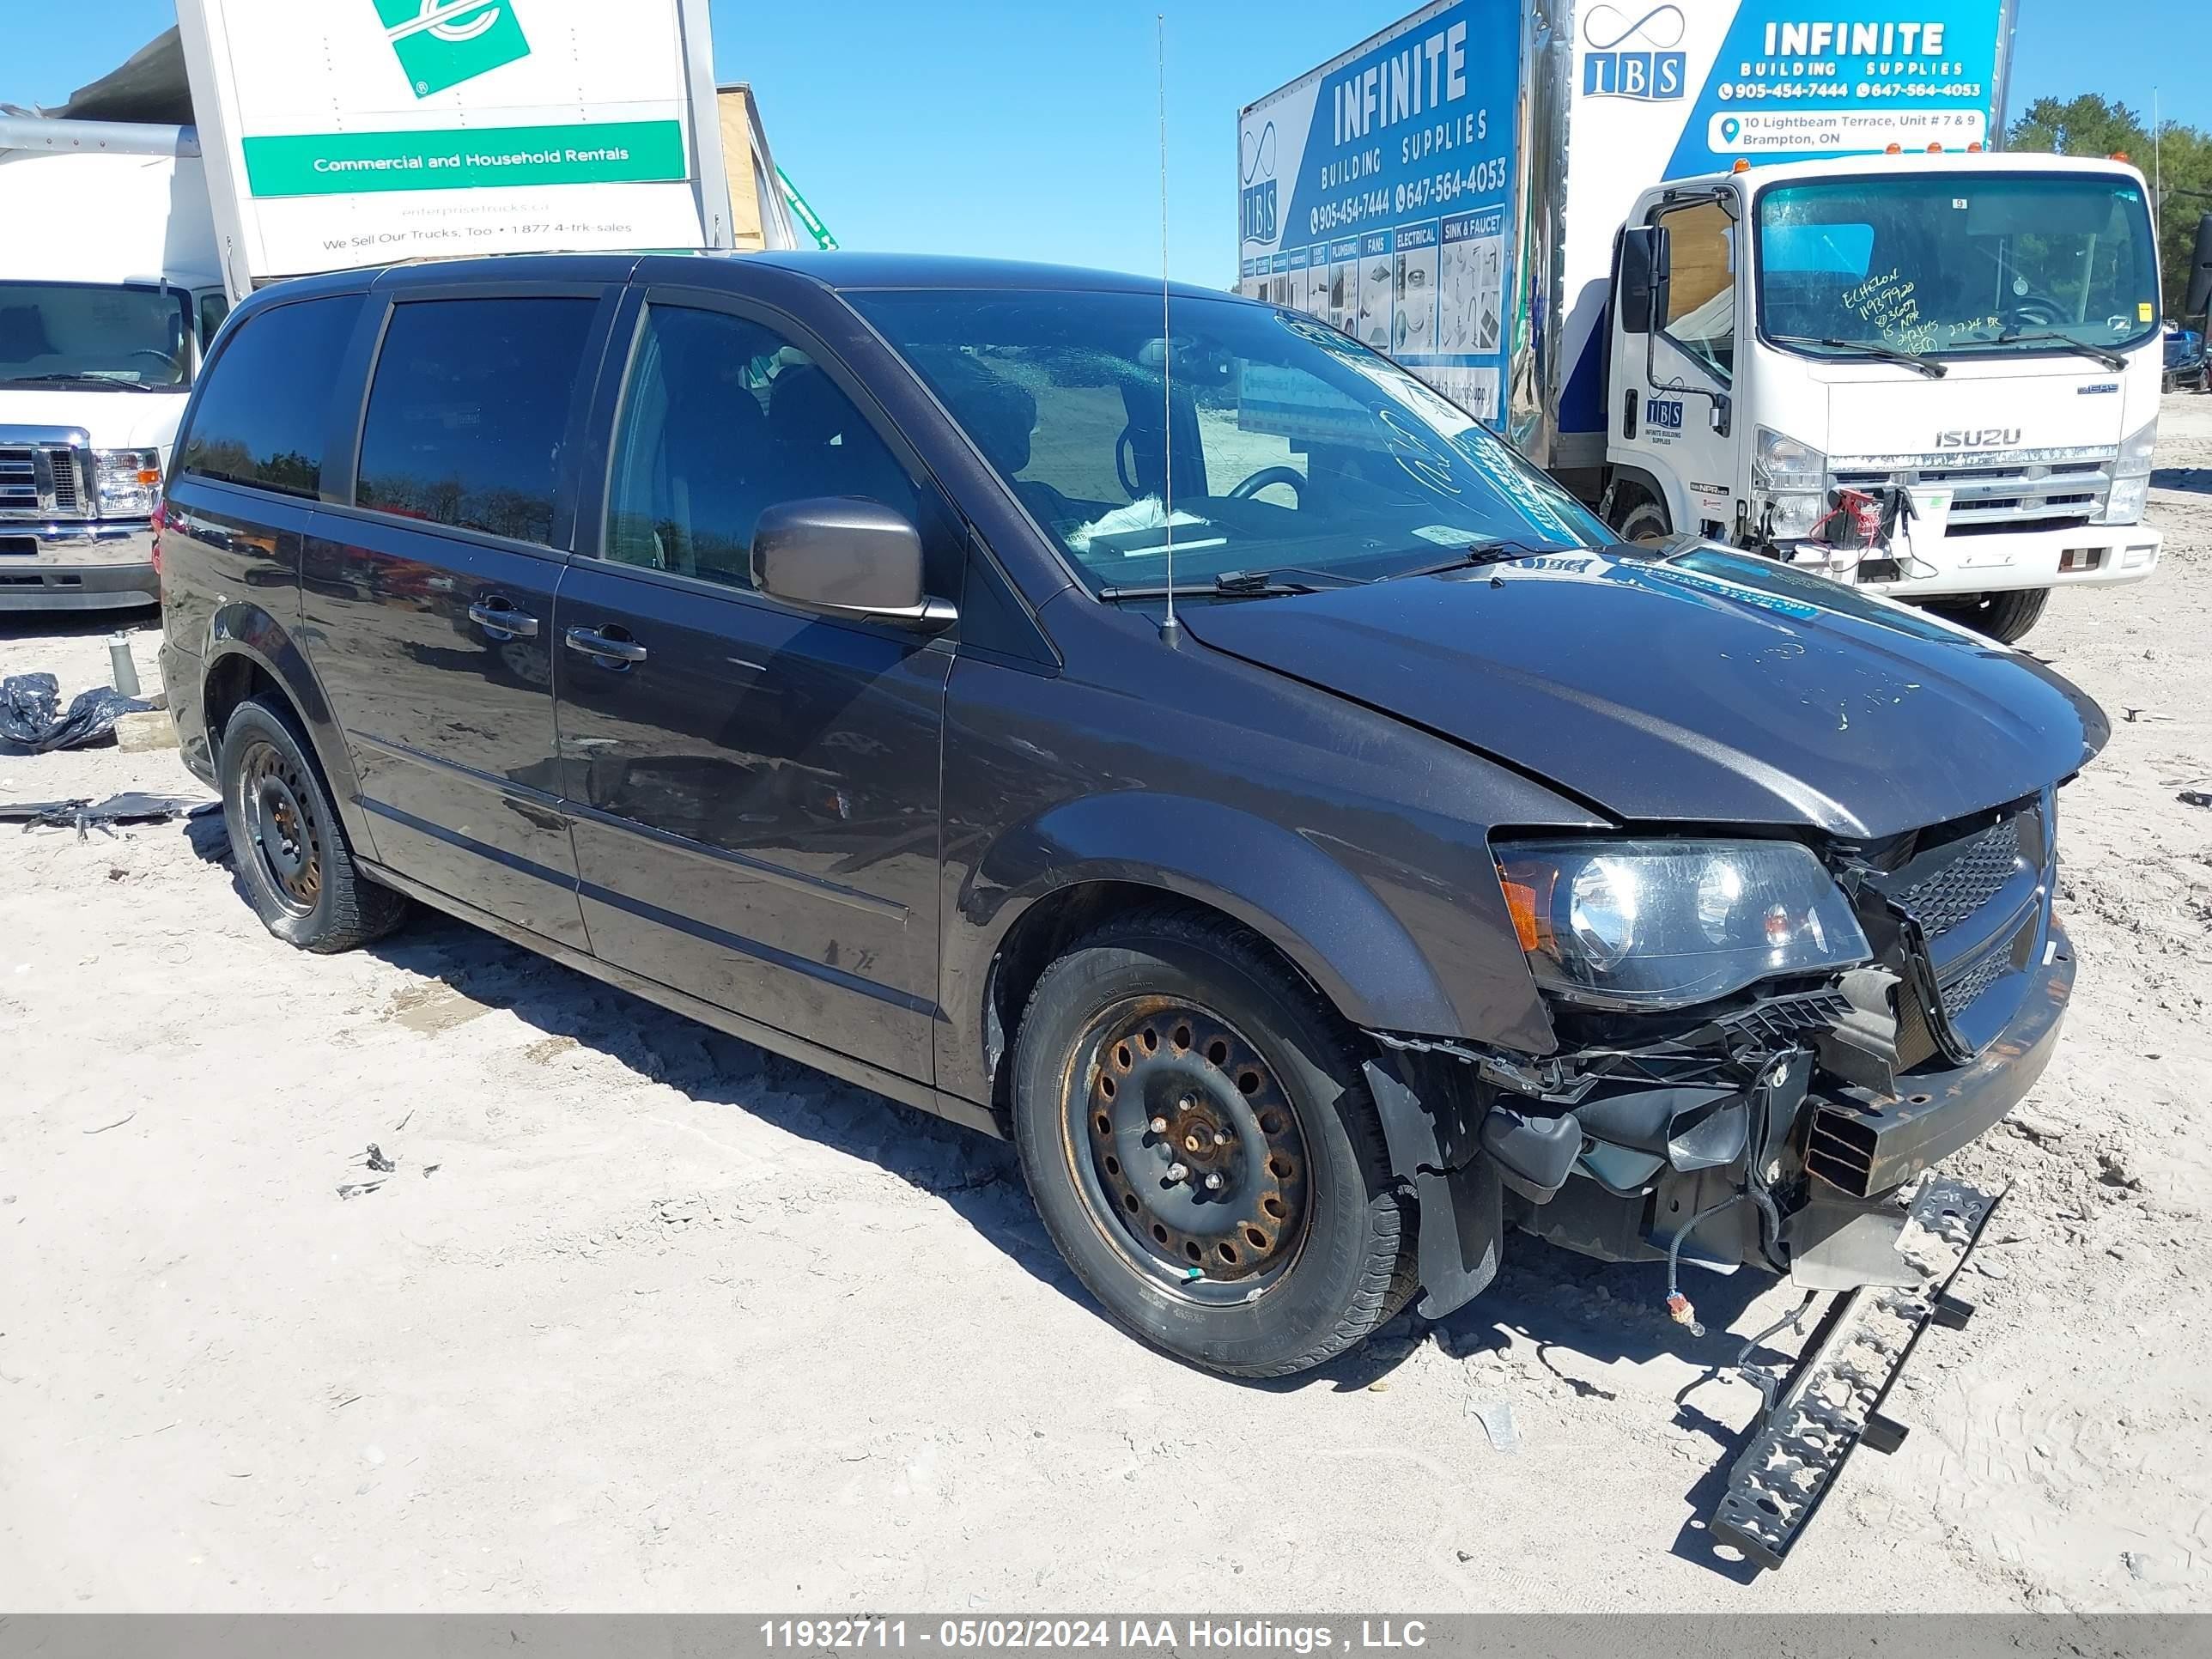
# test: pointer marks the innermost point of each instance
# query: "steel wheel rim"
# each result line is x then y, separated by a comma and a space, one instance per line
284, 833
1150, 1061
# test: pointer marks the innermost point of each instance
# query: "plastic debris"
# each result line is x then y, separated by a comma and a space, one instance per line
378, 1162
30, 716
2196, 798
84, 814
1497, 1419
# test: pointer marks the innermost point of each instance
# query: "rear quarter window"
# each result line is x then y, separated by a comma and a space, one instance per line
261, 414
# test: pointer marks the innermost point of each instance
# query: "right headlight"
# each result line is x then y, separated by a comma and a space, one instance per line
1792, 478
1665, 924
2130, 491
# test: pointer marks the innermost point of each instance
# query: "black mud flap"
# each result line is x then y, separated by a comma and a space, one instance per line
1832, 1400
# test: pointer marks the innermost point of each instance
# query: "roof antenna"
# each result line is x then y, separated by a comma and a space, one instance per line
1170, 630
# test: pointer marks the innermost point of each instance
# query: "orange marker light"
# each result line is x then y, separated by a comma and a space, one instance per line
1894, 150
1521, 905
2118, 155
1935, 150
1741, 166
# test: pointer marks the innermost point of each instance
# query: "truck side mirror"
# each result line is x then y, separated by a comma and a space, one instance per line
2200, 271
1644, 259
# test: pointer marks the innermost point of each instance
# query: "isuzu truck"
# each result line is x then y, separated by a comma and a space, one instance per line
1728, 269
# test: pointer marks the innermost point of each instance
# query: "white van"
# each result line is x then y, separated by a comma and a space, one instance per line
105, 317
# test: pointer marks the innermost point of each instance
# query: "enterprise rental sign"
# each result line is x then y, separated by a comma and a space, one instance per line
470, 126
1375, 193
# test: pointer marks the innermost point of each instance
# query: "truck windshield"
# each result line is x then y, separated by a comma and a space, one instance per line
1295, 448
80, 334
1956, 264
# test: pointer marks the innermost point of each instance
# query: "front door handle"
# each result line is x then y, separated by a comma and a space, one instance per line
497, 617
593, 643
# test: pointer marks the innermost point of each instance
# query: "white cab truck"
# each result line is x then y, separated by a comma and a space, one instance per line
110, 291
1728, 269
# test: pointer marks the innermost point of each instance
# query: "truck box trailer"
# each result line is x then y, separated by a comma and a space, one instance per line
1728, 269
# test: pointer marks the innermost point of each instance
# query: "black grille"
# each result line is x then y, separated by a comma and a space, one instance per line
1962, 993
1941, 900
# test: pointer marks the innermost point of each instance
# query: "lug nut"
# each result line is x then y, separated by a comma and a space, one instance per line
1219, 1139
1159, 1125
1178, 1172
1213, 1182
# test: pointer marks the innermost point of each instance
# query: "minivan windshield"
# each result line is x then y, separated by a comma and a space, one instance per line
94, 333
1956, 264
1295, 449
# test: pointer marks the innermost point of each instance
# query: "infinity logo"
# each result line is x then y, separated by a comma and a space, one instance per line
1262, 158
1662, 26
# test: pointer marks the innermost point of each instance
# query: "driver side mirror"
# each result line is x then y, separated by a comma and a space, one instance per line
1645, 260
843, 555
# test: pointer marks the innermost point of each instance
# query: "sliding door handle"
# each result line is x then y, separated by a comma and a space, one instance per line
593, 643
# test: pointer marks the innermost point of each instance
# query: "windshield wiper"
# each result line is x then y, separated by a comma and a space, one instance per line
1235, 584
1475, 553
1911, 360
2110, 359
79, 379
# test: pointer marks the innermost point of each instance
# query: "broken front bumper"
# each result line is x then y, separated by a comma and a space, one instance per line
1831, 1402
1865, 1144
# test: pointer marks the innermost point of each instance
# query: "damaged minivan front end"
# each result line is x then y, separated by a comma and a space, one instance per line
1760, 1045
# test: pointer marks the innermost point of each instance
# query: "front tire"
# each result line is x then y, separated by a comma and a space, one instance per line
290, 850
1195, 1129
2005, 617
1639, 519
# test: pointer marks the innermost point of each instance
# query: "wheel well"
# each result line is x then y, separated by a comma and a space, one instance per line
232, 681
1043, 935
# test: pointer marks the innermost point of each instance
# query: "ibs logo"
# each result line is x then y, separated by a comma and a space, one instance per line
1256, 195
1651, 71
442, 43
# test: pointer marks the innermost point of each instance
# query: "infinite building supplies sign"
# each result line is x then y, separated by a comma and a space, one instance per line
366, 131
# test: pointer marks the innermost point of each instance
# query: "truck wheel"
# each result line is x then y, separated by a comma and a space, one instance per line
289, 849
1637, 518
2006, 616
1194, 1128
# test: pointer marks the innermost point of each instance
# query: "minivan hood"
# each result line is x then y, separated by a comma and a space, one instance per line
1708, 688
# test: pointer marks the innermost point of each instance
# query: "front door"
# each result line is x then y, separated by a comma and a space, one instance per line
429, 600
1669, 393
754, 791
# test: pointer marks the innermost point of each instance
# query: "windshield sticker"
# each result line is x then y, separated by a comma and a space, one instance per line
1444, 535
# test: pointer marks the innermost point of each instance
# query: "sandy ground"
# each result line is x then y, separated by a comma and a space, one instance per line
648, 1320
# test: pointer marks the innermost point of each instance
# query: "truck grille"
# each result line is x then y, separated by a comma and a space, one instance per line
2057, 493
40, 481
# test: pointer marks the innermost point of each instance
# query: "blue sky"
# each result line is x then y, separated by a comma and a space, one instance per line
1031, 129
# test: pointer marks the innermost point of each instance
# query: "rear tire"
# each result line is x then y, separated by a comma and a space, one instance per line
1282, 1243
289, 847
2006, 616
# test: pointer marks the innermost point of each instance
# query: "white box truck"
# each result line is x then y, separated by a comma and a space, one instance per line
261, 140
1730, 269
107, 302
